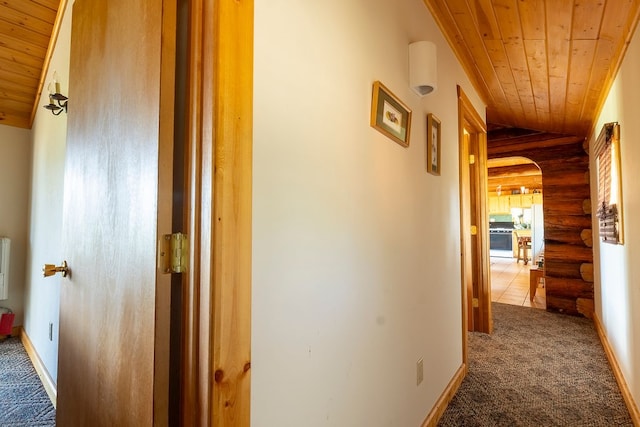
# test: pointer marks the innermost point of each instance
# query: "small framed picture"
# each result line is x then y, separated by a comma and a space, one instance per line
434, 136
389, 115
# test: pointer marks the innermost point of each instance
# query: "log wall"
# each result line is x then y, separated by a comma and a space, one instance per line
567, 215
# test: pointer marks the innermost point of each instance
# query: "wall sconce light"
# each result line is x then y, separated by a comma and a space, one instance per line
423, 67
61, 101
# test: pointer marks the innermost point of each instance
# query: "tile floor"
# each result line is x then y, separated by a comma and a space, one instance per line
510, 283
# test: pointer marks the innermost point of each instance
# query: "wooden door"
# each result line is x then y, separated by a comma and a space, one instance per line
114, 346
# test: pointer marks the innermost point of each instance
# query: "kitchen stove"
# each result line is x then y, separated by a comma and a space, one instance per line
501, 236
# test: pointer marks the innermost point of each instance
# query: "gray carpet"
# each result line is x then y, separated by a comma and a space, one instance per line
23, 400
537, 369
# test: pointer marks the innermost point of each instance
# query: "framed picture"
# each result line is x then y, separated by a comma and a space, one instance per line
389, 115
434, 136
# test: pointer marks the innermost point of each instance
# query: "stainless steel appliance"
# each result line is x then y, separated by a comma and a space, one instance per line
501, 236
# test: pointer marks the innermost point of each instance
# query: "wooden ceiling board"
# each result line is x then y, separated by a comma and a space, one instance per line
486, 19
605, 50
536, 51
511, 33
15, 44
539, 64
558, 49
19, 69
545, 65
532, 13
474, 42
498, 55
34, 24
50, 4
16, 107
26, 29
581, 59
17, 95
587, 16
16, 31
520, 69
442, 15
32, 9
614, 21
507, 15
17, 80
19, 58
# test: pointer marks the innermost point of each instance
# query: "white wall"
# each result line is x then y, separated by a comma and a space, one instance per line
42, 297
356, 251
617, 268
15, 153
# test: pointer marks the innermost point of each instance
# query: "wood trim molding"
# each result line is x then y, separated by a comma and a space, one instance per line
41, 370
473, 209
448, 393
216, 347
465, 239
232, 201
632, 405
195, 341
162, 363
16, 331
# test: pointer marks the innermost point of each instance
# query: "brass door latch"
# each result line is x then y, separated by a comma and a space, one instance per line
51, 269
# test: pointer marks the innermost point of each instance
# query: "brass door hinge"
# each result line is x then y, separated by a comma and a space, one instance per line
472, 159
474, 230
172, 253
475, 303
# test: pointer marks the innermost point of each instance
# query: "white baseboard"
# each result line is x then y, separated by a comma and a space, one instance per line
47, 381
617, 372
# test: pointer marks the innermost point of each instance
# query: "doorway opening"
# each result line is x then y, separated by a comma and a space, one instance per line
516, 231
474, 248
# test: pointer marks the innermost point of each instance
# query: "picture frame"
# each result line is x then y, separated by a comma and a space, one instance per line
389, 115
434, 138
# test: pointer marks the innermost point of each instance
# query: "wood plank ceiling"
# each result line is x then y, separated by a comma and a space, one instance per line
537, 64
545, 65
26, 27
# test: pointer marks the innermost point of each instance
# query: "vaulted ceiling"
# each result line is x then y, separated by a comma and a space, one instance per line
26, 27
545, 65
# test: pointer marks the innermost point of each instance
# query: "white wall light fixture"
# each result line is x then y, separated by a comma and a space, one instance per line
423, 67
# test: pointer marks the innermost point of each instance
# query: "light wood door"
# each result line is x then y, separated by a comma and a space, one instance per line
113, 349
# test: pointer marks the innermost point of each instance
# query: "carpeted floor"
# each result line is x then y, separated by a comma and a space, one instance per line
23, 400
537, 369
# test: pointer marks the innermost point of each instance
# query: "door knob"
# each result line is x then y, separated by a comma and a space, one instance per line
50, 269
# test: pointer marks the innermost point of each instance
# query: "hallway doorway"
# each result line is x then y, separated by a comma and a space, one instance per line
516, 231
474, 253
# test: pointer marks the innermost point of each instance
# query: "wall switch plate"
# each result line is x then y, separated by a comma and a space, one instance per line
419, 371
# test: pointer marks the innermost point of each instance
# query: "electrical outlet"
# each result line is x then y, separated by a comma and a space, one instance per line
50, 331
419, 371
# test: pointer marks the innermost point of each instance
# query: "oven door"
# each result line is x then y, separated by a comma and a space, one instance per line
501, 240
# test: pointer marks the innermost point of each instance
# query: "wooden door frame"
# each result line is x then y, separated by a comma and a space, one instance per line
216, 326
474, 255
